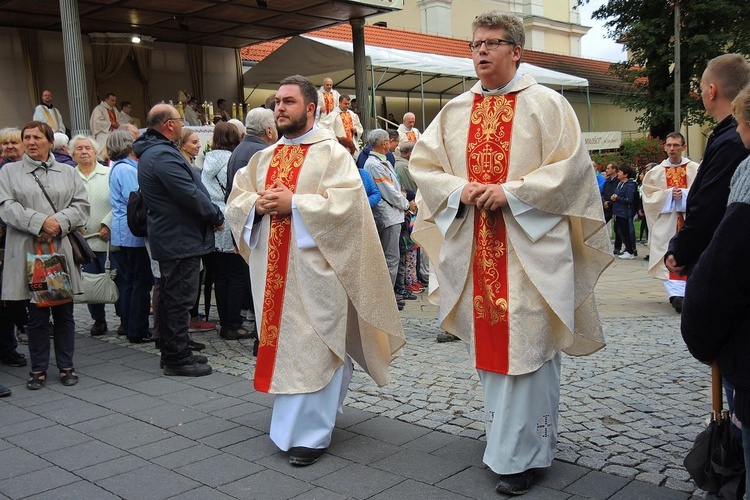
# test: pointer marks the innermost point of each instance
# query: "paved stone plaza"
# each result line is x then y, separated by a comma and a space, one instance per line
628, 415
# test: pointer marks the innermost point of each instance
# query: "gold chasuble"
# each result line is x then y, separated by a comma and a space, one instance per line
487, 153
113, 124
328, 102
677, 178
346, 121
516, 300
286, 164
319, 299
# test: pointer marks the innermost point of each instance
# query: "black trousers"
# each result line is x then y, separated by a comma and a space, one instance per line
135, 300
179, 288
230, 274
63, 331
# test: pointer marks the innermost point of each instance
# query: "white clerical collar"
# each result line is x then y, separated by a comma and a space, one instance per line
504, 89
683, 160
298, 140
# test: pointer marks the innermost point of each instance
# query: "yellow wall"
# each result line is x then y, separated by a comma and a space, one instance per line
559, 10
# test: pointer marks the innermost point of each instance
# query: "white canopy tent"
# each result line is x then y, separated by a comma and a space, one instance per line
394, 71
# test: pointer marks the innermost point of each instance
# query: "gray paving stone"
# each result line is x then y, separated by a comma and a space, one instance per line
134, 403
218, 470
83, 455
419, 466
131, 435
214, 381
352, 416
13, 414
103, 393
99, 423
241, 409
260, 420
48, 439
101, 368
36, 482
202, 493
363, 449
432, 441
236, 435
474, 482
187, 456
152, 482
597, 485
191, 396
168, 415
560, 475
359, 481
163, 447
464, 450
414, 490
79, 490
318, 494
16, 462
114, 467
265, 484
643, 491
32, 424
79, 411
388, 430
203, 427
253, 449
127, 376
23, 398
160, 385
237, 389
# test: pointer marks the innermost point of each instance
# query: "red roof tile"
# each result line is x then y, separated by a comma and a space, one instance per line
596, 72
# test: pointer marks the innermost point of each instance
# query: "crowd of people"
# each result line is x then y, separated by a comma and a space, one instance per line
292, 221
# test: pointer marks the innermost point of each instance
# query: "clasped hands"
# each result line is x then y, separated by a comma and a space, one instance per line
50, 229
484, 196
276, 200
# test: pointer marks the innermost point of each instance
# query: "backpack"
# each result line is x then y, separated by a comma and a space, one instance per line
137, 213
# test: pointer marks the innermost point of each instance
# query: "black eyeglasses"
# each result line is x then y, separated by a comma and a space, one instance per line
490, 43
173, 120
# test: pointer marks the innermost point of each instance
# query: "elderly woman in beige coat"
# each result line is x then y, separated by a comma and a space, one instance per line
31, 219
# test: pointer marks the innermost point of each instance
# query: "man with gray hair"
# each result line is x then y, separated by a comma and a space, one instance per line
407, 131
261, 133
511, 218
389, 213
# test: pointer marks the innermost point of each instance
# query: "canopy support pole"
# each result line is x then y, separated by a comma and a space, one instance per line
75, 71
421, 89
588, 109
360, 71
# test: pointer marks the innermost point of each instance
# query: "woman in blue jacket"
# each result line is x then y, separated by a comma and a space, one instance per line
622, 209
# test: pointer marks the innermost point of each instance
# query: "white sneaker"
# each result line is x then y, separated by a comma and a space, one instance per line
626, 256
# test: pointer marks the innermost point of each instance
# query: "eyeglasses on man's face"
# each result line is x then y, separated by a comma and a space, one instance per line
174, 120
490, 43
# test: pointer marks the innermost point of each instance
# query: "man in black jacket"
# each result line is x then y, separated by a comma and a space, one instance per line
181, 224
610, 185
722, 80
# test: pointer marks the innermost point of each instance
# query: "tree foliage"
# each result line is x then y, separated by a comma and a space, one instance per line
708, 28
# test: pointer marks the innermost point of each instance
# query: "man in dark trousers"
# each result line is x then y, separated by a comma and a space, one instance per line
610, 185
181, 224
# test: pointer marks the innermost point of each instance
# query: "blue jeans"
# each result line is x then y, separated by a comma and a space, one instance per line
134, 295
97, 267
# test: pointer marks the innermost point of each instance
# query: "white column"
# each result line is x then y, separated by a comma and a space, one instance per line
75, 72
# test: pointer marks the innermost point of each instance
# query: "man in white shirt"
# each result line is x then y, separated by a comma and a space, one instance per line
46, 112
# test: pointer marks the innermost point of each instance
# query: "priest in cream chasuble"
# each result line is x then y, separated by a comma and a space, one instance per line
665, 194
510, 215
318, 273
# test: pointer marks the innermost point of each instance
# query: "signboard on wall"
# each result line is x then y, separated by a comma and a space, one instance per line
597, 141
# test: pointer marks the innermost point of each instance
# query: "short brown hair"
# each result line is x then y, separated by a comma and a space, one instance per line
43, 128
676, 135
731, 72
306, 87
226, 137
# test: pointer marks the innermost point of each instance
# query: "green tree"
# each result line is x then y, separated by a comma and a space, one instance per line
708, 28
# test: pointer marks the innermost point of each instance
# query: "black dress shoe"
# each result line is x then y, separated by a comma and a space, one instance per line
676, 303
195, 358
301, 456
140, 340
189, 370
515, 484
195, 346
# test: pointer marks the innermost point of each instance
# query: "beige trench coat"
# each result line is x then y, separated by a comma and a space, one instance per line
24, 209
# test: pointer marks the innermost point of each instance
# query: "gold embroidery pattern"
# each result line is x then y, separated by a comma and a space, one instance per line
488, 156
348, 123
676, 176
